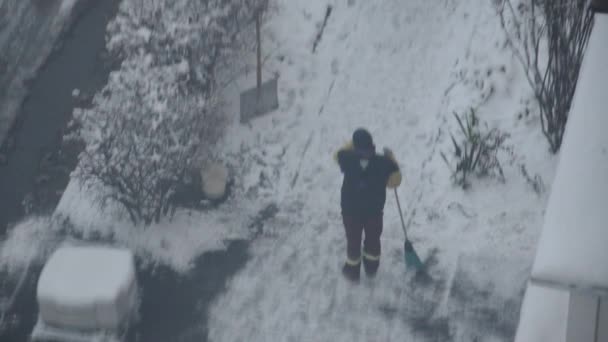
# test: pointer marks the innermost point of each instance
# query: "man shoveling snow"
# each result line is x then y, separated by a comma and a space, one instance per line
366, 177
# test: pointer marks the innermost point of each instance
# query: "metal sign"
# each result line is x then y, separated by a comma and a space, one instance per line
254, 103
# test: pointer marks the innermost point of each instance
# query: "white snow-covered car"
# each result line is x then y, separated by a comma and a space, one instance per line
87, 293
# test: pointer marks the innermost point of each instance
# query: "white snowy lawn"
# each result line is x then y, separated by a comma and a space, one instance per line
399, 68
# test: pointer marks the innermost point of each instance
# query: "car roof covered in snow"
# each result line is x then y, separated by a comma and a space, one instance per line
573, 246
77, 275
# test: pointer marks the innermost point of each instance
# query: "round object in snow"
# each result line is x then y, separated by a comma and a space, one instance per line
214, 180
76, 92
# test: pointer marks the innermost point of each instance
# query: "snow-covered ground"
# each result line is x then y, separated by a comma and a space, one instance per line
28, 31
399, 68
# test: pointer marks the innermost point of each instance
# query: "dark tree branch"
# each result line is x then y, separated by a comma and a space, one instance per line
560, 29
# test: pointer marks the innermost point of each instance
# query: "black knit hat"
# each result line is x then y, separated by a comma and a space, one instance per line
362, 140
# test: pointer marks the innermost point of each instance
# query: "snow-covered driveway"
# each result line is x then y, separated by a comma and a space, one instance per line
385, 65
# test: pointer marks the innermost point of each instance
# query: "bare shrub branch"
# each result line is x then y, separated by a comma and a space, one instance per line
548, 37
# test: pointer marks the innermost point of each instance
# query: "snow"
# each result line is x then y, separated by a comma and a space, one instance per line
175, 242
183, 67
74, 275
574, 234
544, 315
26, 242
44, 332
400, 69
145, 33
66, 7
87, 287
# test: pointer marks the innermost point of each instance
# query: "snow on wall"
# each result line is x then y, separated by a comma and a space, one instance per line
544, 315
572, 248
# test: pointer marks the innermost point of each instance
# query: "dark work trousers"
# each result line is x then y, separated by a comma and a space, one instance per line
354, 227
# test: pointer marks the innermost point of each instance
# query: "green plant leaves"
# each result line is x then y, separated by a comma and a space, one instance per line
477, 151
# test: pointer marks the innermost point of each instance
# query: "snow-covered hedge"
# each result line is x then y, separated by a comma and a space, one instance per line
147, 125
201, 31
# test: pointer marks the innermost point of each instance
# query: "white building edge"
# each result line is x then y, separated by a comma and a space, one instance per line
566, 298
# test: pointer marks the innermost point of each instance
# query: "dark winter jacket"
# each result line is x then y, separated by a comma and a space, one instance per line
364, 185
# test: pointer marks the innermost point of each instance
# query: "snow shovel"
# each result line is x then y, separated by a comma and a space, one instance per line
411, 257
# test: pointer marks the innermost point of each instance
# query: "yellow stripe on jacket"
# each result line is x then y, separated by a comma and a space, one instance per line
346, 147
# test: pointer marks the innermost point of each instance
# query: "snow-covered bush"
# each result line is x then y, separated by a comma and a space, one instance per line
159, 110
141, 136
200, 31
477, 151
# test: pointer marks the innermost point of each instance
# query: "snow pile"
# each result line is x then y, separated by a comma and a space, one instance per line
87, 287
400, 69
28, 241
175, 242
26, 244
65, 11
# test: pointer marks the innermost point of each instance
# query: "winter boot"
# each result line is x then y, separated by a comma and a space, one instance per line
352, 271
371, 264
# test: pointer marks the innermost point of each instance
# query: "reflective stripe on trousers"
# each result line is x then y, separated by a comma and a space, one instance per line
370, 257
352, 262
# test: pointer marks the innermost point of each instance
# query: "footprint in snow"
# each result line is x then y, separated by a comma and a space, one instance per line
413, 122
291, 98
421, 136
335, 66
302, 74
396, 21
